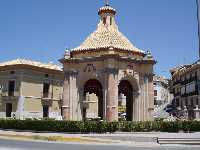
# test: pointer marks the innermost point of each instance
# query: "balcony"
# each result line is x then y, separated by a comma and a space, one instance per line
190, 94
10, 94
189, 80
177, 94
176, 82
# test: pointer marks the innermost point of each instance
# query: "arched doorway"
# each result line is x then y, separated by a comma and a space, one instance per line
126, 89
94, 87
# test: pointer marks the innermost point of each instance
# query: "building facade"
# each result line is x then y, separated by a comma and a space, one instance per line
30, 89
107, 65
185, 80
162, 93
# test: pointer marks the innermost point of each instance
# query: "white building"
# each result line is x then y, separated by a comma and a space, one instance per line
161, 91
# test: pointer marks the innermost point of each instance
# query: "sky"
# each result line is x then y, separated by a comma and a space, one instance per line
41, 30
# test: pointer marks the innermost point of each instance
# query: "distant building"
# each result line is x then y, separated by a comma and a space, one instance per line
30, 89
186, 86
162, 93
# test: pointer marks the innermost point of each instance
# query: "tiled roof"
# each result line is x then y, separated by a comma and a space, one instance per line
107, 36
31, 63
184, 68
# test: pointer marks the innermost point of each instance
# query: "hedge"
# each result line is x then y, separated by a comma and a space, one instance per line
99, 126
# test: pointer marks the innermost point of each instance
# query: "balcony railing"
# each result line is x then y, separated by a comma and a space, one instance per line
176, 82
190, 94
189, 80
46, 95
10, 94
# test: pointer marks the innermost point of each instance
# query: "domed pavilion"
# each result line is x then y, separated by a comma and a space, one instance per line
102, 68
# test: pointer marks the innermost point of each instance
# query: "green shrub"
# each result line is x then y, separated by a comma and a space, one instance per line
99, 126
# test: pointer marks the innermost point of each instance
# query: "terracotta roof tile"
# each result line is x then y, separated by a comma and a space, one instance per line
31, 63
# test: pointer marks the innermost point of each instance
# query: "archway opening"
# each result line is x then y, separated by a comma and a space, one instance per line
93, 100
125, 102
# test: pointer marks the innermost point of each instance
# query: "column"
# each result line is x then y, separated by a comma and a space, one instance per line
67, 93
186, 113
197, 113
111, 94
150, 98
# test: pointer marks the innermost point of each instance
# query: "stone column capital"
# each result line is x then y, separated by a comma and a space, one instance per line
71, 72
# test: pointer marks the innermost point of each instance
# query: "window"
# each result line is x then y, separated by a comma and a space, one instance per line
190, 87
46, 90
155, 101
188, 76
155, 92
110, 20
182, 90
11, 88
45, 111
46, 75
193, 74
104, 20
8, 109
177, 103
191, 103
183, 78
12, 72
186, 102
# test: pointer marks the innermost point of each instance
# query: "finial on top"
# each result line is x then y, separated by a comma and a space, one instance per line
107, 9
107, 2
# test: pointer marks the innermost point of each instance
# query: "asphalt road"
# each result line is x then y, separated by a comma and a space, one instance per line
38, 145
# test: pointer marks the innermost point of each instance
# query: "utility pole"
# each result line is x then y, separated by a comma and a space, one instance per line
198, 18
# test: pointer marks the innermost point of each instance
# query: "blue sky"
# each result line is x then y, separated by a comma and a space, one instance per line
42, 29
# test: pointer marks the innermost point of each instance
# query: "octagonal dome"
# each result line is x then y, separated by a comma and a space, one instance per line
107, 34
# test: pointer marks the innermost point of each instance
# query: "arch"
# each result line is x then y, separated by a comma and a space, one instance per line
133, 82
129, 88
93, 86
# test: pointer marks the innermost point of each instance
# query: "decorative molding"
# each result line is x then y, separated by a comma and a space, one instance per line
65, 106
89, 68
130, 66
71, 72
111, 70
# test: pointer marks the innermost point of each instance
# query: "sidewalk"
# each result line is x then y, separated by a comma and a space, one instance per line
150, 138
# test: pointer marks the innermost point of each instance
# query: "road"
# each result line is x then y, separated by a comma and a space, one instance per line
38, 145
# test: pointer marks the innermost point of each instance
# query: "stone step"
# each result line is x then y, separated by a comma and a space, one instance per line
192, 141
